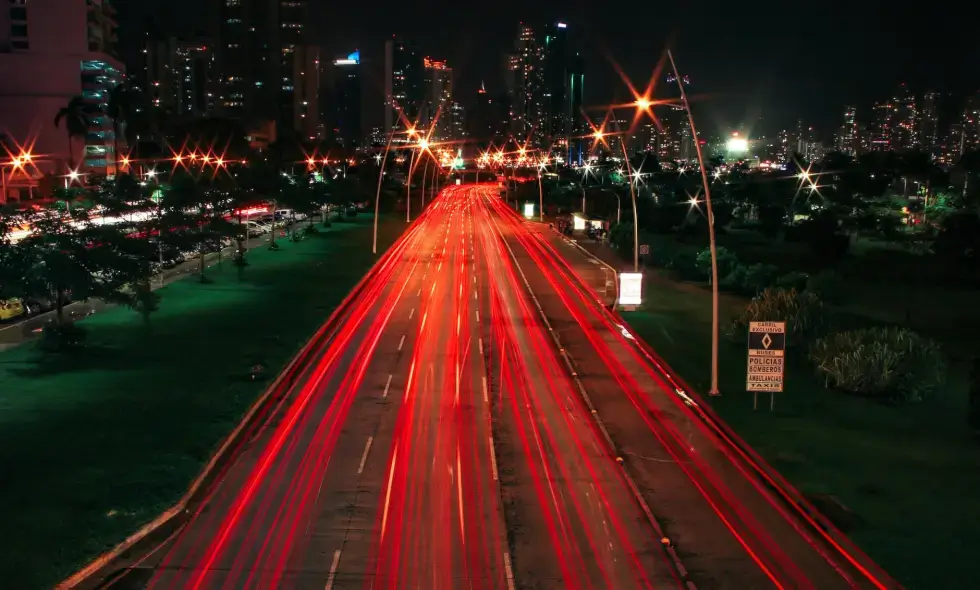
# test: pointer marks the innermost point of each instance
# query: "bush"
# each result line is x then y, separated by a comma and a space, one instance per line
756, 278
828, 285
727, 262
794, 280
804, 314
895, 364
685, 266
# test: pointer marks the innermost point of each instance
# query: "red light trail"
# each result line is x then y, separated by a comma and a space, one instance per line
436, 439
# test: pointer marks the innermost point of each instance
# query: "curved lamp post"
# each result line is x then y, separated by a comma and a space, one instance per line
705, 185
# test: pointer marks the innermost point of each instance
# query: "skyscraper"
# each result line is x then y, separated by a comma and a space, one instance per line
404, 83
345, 101
882, 126
265, 61
438, 82
905, 131
847, 135
525, 83
929, 122
562, 92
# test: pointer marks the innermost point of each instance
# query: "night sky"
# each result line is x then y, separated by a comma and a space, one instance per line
780, 59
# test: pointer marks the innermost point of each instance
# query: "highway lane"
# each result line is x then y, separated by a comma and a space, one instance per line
369, 471
558, 477
248, 534
731, 530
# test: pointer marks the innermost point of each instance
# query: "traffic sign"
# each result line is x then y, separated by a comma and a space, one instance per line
644, 249
767, 358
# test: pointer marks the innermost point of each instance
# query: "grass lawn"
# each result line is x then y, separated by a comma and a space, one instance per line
94, 445
909, 475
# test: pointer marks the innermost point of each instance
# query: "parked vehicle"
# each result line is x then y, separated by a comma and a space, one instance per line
11, 308
288, 215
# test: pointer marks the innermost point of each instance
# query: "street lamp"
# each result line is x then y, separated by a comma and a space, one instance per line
541, 166
711, 231
599, 135
377, 195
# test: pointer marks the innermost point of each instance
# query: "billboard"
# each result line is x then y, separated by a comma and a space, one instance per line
630, 289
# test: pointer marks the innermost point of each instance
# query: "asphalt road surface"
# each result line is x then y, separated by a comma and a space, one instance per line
437, 440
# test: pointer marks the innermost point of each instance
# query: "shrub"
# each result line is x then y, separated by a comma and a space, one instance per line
828, 285
794, 280
685, 266
804, 314
727, 262
895, 364
756, 278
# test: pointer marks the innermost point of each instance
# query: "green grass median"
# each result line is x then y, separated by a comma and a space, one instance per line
96, 443
900, 481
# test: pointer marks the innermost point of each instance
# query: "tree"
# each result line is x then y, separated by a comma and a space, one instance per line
70, 256
194, 218
76, 123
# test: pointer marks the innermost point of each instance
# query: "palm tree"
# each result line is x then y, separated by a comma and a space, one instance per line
76, 123
118, 110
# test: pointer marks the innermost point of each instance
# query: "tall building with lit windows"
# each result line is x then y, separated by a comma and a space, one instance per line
266, 65
929, 122
345, 101
563, 79
847, 137
404, 83
905, 130
438, 82
50, 52
525, 81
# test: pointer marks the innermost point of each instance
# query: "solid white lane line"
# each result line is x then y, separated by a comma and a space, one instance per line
333, 570
384, 394
401, 342
367, 449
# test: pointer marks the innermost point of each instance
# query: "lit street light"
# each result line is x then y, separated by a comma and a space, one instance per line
711, 232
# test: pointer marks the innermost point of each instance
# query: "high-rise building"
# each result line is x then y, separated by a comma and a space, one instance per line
457, 122
345, 101
525, 84
905, 134
194, 79
404, 84
882, 126
67, 51
438, 81
265, 60
562, 93
970, 124
929, 122
847, 135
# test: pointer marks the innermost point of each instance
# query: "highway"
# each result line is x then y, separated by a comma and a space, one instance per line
438, 439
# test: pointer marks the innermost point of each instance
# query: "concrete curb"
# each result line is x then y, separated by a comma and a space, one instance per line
810, 516
611, 446
227, 452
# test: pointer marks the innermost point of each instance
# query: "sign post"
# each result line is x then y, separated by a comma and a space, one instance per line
630, 290
767, 360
